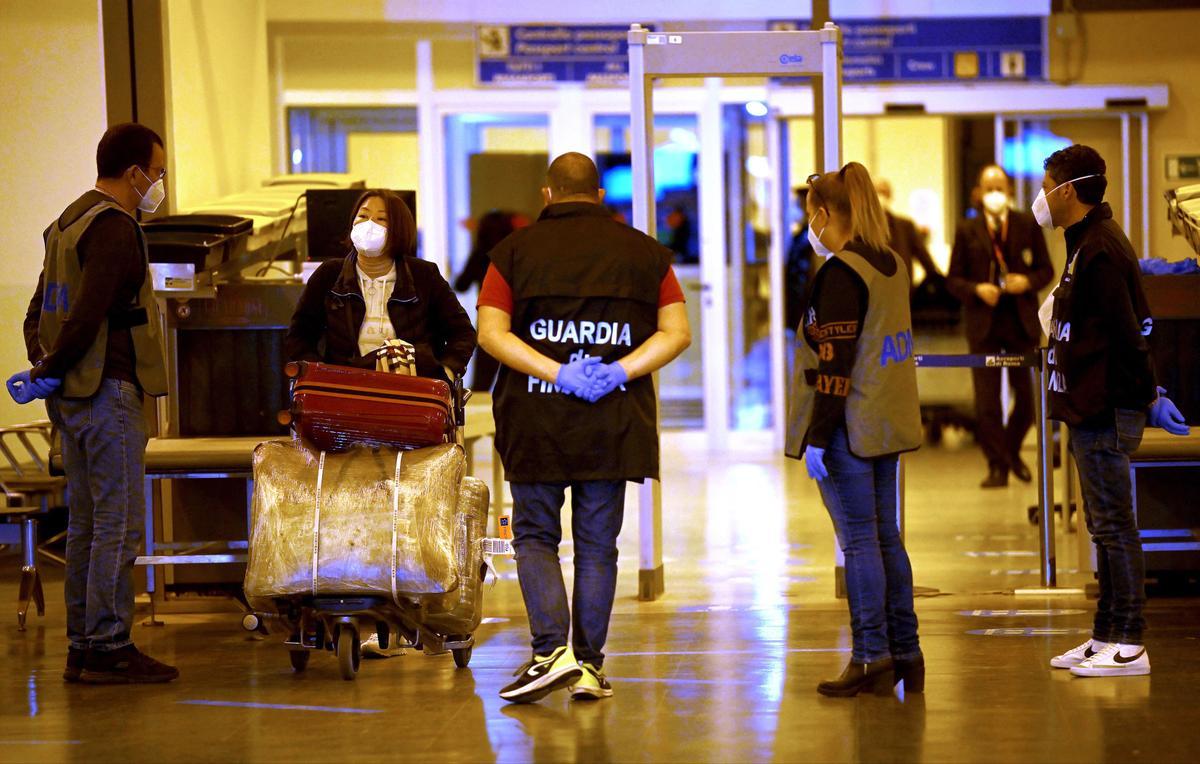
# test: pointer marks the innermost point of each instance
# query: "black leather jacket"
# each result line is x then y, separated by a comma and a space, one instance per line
423, 310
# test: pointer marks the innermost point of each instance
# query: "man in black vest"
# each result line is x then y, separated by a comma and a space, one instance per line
998, 264
92, 335
1100, 378
580, 310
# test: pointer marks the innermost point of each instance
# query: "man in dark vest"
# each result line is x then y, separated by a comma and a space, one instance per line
580, 310
92, 334
1100, 377
998, 264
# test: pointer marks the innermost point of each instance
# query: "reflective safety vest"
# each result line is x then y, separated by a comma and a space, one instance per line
62, 279
582, 284
883, 412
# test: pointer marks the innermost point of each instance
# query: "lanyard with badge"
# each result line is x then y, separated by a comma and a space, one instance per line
1000, 267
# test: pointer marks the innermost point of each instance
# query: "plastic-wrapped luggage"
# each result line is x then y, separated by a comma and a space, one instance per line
337, 407
460, 611
368, 521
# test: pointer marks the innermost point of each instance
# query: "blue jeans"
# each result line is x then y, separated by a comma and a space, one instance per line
104, 453
597, 510
1102, 455
860, 495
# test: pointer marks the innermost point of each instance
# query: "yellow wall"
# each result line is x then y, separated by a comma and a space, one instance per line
52, 89
519, 140
453, 64
1140, 47
385, 160
219, 139
350, 60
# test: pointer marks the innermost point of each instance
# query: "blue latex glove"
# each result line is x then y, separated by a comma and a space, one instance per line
23, 390
606, 379
576, 377
814, 459
1165, 414
44, 387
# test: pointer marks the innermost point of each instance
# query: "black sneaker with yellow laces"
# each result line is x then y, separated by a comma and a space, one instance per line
543, 675
593, 685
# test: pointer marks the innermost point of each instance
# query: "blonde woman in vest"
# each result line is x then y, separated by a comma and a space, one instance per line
853, 410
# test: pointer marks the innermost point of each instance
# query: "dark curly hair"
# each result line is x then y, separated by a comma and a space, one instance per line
1076, 161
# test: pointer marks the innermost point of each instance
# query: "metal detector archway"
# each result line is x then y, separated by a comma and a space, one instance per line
655, 55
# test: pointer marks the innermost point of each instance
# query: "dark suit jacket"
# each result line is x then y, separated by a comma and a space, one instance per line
972, 262
907, 242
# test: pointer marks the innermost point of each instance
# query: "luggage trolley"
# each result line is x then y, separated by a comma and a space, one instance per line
434, 624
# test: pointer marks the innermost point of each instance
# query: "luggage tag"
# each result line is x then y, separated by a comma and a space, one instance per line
500, 546
492, 548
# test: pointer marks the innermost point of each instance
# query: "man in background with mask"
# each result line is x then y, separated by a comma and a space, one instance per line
1100, 377
92, 334
998, 264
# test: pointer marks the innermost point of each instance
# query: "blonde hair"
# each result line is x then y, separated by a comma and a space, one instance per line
851, 193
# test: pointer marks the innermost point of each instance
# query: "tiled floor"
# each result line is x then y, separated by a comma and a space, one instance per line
722, 668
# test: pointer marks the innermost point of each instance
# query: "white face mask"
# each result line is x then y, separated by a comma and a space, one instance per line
154, 195
368, 237
995, 202
814, 239
1041, 208
818, 246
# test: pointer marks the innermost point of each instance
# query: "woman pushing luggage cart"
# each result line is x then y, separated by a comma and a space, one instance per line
365, 532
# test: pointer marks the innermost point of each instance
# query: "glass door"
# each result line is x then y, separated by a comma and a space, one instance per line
676, 180
495, 167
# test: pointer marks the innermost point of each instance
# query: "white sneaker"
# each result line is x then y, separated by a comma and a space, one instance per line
371, 649
1115, 659
1077, 655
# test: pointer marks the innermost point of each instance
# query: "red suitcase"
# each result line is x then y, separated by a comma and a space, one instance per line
335, 407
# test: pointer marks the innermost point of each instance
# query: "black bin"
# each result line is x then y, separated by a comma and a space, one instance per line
204, 241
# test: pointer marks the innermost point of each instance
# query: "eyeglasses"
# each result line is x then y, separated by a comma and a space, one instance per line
162, 174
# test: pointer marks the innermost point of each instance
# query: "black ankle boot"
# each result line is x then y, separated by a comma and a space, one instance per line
912, 673
876, 677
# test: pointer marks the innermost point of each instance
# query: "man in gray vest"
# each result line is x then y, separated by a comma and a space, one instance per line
92, 333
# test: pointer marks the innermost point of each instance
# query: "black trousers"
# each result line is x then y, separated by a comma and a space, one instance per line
1001, 443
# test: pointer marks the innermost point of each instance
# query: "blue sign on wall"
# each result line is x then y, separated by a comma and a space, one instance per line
532, 55
940, 49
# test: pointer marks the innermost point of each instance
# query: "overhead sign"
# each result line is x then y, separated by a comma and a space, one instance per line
545, 55
940, 49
